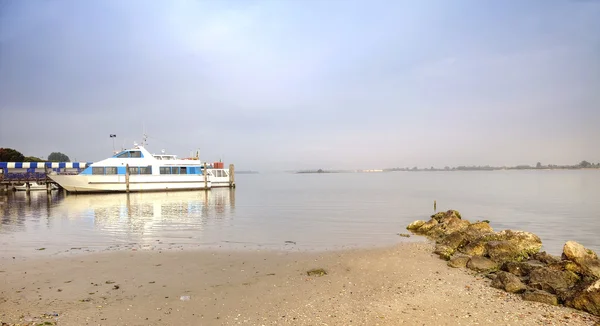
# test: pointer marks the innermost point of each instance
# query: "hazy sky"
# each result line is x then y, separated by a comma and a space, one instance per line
287, 84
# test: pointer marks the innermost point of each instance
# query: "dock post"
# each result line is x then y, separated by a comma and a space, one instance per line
127, 178
205, 172
48, 188
27, 187
231, 176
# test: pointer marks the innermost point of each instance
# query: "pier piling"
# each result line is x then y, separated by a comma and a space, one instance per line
231, 176
127, 178
205, 172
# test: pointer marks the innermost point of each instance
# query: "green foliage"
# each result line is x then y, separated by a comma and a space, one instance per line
10, 155
58, 157
585, 164
32, 159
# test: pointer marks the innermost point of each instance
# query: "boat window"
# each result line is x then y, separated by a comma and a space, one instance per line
183, 170
175, 170
146, 170
97, 170
111, 170
123, 155
165, 170
225, 174
158, 157
136, 154
134, 170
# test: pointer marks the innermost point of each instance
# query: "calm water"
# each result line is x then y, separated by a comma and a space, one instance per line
316, 211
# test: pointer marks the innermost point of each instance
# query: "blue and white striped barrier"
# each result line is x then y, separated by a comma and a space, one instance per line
42, 165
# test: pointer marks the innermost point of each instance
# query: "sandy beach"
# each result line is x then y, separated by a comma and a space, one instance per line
401, 285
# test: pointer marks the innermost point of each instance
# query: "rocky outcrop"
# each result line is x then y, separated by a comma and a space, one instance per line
587, 299
459, 261
552, 281
520, 268
586, 259
415, 225
512, 259
540, 296
481, 264
508, 282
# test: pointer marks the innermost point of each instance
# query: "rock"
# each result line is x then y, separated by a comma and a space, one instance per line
427, 226
520, 268
586, 259
478, 229
447, 226
448, 214
553, 281
546, 258
481, 264
508, 282
566, 265
415, 225
455, 240
540, 296
474, 248
575, 251
587, 299
444, 252
526, 243
502, 251
459, 261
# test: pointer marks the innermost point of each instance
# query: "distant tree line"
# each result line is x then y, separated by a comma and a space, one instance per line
12, 155
581, 165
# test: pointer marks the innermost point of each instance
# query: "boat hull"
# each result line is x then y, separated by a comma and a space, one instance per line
137, 183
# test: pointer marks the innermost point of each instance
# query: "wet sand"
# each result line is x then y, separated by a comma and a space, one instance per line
403, 284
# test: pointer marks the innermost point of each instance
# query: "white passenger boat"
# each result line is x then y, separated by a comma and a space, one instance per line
137, 170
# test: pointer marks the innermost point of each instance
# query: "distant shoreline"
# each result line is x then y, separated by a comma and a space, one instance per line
436, 170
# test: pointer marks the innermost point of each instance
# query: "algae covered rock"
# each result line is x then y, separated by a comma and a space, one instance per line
553, 281
508, 282
444, 252
521, 268
587, 298
448, 214
526, 243
459, 261
481, 264
427, 226
503, 251
540, 296
415, 225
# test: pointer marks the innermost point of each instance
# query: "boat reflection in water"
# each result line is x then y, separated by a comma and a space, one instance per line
192, 217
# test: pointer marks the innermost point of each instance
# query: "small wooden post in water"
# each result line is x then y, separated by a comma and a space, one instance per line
231, 176
434, 206
127, 178
27, 187
205, 172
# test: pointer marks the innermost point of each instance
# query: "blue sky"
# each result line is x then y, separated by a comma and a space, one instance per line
282, 84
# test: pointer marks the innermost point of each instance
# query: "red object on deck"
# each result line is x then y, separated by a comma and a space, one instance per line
219, 165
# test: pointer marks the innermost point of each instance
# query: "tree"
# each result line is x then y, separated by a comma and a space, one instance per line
58, 157
538, 165
32, 159
10, 155
585, 164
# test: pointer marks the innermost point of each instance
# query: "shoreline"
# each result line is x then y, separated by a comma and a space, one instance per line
403, 283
